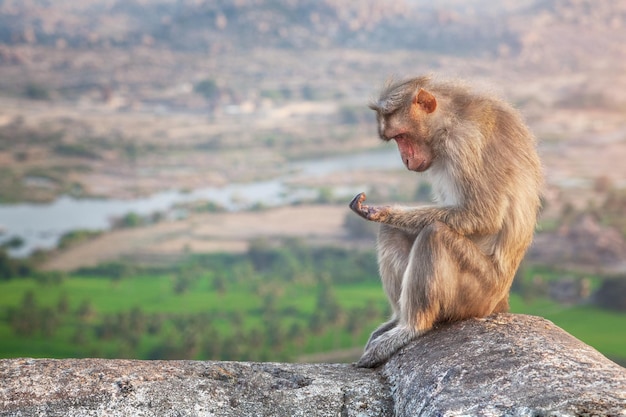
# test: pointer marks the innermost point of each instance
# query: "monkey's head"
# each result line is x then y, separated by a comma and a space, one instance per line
404, 116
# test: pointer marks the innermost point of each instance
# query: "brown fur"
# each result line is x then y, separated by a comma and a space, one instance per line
455, 259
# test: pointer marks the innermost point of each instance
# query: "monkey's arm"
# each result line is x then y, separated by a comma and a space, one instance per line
460, 219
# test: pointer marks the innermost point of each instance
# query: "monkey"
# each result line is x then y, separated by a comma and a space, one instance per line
456, 258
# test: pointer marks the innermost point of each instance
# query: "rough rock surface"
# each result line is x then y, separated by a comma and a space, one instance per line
504, 365
507, 364
99, 387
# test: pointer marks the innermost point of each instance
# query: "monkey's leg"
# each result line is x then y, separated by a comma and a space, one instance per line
503, 305
394, 246
447, 278
394, 249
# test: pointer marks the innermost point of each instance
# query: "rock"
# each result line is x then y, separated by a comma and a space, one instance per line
511, 365
504, 365
100, 387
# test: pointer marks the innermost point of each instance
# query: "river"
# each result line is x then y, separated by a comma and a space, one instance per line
42, 225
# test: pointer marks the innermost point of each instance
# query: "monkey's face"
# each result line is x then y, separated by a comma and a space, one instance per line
408, 125
411, 136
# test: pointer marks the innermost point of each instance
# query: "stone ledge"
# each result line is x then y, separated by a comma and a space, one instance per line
512, 365
505, 365
99, 387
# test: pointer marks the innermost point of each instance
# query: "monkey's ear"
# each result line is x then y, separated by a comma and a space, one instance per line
426, 101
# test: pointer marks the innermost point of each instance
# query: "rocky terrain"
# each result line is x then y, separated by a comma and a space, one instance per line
119, 99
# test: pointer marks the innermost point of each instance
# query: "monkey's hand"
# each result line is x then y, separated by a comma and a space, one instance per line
373, 213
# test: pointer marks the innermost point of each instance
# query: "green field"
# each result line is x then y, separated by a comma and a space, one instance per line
239, 310
274, 304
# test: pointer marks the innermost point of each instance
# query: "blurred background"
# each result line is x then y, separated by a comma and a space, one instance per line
174, 174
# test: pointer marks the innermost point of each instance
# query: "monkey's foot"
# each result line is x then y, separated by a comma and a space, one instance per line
383, 328
384, 346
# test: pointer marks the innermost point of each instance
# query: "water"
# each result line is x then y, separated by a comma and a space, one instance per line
42, 225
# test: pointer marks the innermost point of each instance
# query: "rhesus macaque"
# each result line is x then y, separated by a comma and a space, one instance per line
455, 259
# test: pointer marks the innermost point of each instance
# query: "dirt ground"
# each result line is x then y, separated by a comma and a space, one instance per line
207, 232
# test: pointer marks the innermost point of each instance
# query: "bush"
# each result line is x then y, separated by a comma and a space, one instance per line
207, 88
130, 220
351, 115
78, 150
359, 228
13, 268
75, 237
36, 92
14, 242
612, 294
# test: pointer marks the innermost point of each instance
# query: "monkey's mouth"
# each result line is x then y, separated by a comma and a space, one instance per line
421, 167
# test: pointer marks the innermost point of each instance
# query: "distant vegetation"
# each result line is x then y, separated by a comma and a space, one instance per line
207, 88
612, 294
76, 237
611, 212
276, 302
293, 25
36, 92
355, 114
196, 76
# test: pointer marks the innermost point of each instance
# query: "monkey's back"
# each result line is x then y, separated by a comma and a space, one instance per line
496, 162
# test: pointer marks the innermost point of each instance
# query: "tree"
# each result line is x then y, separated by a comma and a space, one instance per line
131, 219
36, 92
316, 323
182, 282
14, 242
24, 320
219, 284
296, 334
308, 92
49, 322
63, 304
359, 229
12, 268
612, 294
85, 310
327, 302
207, 88
275, 335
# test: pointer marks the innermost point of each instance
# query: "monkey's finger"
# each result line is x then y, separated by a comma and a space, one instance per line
358, 208
356, 201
